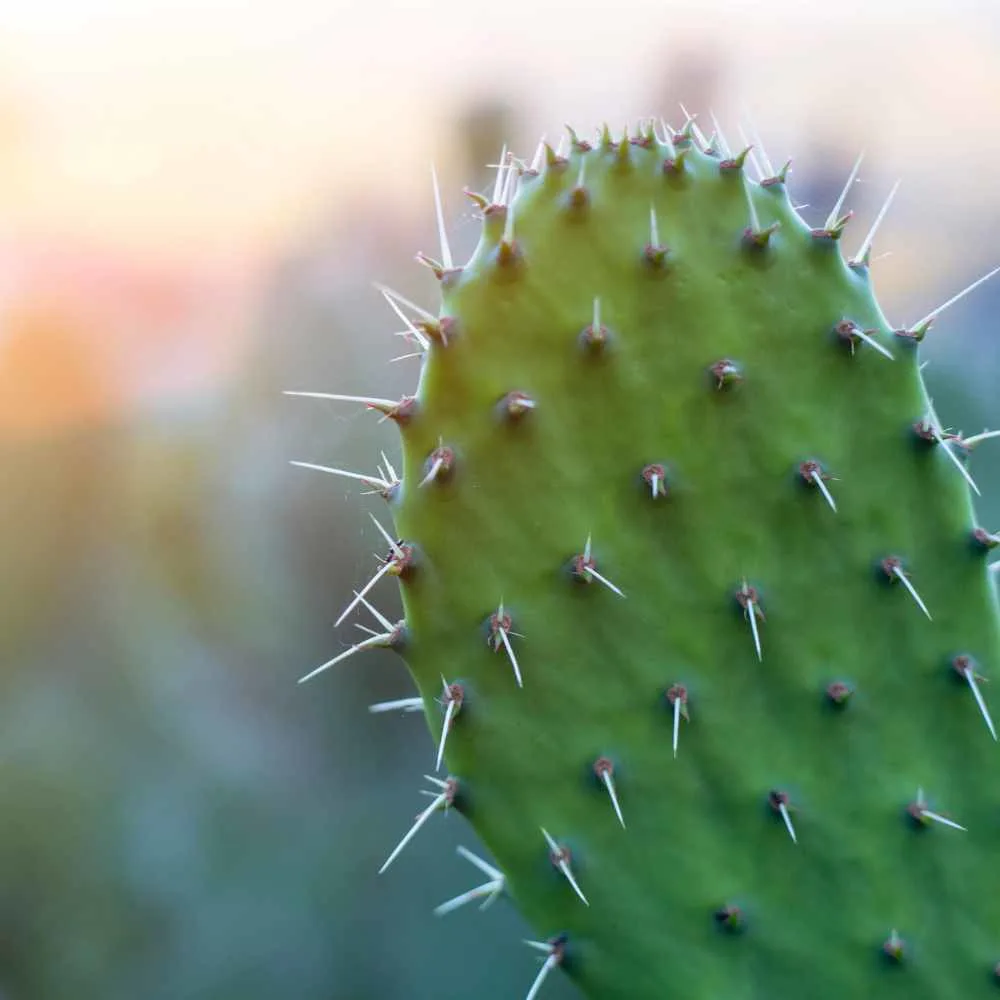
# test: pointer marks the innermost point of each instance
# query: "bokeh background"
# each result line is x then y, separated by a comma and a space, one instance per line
195, 198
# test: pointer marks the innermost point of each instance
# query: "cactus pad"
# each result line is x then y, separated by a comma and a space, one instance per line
693, 592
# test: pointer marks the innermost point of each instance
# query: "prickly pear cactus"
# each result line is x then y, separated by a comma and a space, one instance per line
694, 595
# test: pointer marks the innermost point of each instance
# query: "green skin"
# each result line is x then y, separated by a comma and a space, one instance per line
522, 497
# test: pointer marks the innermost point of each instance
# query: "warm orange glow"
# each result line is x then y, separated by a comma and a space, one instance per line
49, 378
88, 338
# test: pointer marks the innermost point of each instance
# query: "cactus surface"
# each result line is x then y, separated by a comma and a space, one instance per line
694, 595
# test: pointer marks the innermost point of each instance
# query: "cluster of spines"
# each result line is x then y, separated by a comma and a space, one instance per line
428, 331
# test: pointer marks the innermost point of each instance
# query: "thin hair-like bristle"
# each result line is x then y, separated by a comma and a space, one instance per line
866, 243
839, 204
934, 313
442, 231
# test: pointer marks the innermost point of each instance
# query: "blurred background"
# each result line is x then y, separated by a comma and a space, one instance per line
195, 198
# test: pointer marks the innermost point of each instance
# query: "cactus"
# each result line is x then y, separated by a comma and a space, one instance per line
694, 596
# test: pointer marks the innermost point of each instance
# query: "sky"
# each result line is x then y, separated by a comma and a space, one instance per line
217, 129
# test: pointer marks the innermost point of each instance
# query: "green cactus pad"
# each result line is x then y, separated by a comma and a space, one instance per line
749, 449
